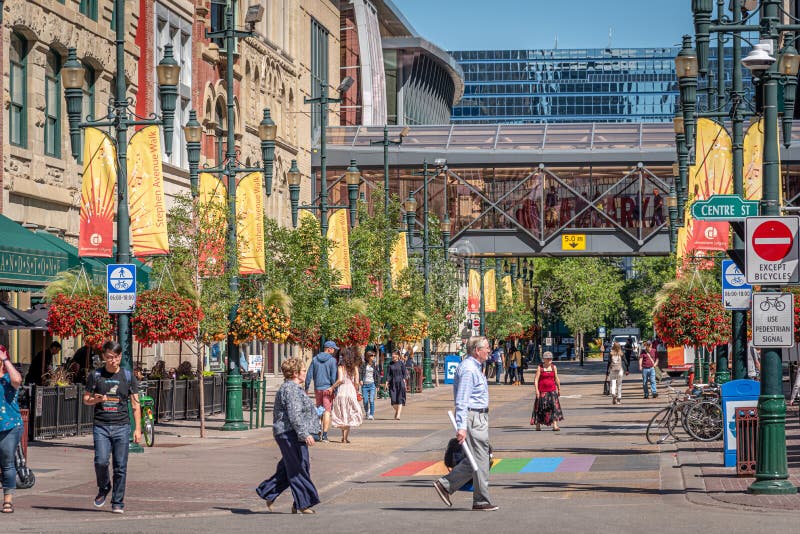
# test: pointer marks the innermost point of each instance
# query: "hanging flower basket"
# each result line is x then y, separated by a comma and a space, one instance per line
693, 319
358, 332
413, 330
254, 320
308, 338
164, 316
80, 315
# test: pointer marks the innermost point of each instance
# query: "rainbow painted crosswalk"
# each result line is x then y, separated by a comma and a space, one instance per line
542, 464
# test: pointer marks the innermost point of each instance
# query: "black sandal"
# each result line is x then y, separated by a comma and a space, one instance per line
8, 508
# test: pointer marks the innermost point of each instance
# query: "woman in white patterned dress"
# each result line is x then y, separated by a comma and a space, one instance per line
346, 410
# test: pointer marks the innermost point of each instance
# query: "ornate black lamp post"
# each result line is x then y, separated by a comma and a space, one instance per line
230, 167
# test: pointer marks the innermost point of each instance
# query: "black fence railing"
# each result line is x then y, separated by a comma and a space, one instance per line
58, 411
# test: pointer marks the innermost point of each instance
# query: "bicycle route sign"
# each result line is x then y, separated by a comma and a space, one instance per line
736, 291
771, 250
121, 287
773, 319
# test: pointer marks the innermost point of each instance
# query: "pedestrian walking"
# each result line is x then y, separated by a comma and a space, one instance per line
617, 365
497, 358
294, 425
108, 389
10, 427
471, 392
396, 376
323, 372
648, 360
795, 393
346, 411
370, 375
511, 368
628, 349
547, 390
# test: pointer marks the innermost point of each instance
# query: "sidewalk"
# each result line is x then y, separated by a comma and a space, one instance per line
708, 481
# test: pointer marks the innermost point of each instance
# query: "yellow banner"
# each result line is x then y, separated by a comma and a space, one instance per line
212, 210
753, 155
399, 260
339, 255
520, 287
96, 238
712, 174
474, 291
146, 194
508, 290
490, 291
250, 224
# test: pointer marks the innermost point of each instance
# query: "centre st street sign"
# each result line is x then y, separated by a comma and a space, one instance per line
773, 319
724, 208
771, 250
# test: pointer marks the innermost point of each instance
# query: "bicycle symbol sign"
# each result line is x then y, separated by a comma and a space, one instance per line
735, 289
773, 319
121, 287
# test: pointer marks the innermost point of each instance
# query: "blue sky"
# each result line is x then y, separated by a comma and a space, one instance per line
529, 24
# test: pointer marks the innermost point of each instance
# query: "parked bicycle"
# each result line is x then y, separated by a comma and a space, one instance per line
147, 406
696, 415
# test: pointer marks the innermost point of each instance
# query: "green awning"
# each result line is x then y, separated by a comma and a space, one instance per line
27, 261
95, 270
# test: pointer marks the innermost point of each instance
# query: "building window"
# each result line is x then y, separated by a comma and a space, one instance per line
218, 8
89, 8
18, 89
171, 29
88, 103
319, 73
52, 105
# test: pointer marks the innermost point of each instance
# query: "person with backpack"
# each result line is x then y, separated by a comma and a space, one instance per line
108, 390
323, 372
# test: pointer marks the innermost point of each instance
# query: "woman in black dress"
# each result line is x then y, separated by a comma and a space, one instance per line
396, 379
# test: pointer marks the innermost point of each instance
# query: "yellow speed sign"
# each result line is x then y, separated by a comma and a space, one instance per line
573, 241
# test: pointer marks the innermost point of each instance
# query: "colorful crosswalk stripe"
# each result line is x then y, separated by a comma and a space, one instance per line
542, 464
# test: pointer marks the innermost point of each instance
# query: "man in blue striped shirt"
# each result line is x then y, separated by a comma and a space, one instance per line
471, 392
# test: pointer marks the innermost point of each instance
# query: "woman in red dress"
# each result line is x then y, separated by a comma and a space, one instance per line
547, 388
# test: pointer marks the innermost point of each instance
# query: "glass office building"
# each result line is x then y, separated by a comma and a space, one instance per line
571, 85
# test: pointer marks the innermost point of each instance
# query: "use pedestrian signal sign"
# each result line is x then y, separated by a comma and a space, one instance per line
771, 250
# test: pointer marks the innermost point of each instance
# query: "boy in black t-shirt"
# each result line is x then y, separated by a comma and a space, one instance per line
108, 390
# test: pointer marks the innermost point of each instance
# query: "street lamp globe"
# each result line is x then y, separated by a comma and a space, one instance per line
352, 175
789, 62
193, 131
293, 176
72, 73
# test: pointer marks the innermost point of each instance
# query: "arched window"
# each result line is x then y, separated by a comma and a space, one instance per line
52, 105
18, 89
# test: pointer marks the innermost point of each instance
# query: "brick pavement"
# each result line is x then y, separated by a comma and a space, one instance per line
703, 462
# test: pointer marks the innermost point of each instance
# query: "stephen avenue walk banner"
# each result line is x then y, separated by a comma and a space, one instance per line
712, 174
250, 224
753, 157
490, 291
96, 239
146, 194
339, 255
474, 291
508, 288
212, 212
399, 257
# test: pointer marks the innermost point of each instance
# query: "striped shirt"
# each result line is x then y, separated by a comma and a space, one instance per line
470, 389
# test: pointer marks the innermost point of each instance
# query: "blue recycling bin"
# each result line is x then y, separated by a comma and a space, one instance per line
451, 362
736, 394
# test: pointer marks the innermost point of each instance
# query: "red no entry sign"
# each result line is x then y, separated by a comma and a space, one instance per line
476, 323
772, 240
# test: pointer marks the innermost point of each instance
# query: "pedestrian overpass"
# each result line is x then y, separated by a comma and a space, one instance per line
532, 189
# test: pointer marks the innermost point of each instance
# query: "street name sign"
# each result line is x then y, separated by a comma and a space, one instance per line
773, 319
573, 241
736, 291
121, 287
771, 250
724, 208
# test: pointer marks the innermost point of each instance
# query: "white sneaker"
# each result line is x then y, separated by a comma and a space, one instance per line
370, 417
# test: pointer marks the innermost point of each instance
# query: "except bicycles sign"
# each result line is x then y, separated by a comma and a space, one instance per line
773, 319
771, 250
